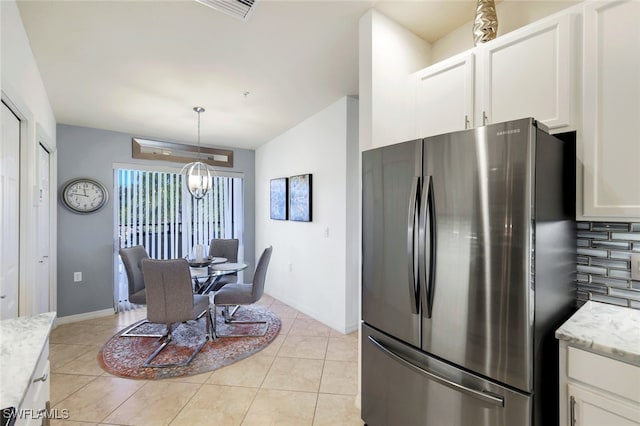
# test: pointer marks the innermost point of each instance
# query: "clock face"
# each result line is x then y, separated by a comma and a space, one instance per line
84, 195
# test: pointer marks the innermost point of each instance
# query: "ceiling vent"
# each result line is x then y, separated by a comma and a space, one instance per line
240, 9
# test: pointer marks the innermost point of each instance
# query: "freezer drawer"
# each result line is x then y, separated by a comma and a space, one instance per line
404, 386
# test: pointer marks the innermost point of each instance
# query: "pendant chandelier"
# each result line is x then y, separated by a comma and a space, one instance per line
197, 175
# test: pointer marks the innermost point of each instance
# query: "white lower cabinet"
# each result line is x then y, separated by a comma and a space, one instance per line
33, 410
592, 408
596, 390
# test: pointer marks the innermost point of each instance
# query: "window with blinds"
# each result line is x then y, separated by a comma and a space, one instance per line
156, 211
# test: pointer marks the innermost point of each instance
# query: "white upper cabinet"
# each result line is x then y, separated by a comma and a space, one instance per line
527, 73
445, 94
611, 112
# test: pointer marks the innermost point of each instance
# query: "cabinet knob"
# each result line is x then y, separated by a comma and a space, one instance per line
3, 296
485, 119
466, 122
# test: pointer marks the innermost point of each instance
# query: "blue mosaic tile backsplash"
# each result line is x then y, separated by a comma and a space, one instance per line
604, 263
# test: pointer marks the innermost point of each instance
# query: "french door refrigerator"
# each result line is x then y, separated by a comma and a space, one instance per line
468, 268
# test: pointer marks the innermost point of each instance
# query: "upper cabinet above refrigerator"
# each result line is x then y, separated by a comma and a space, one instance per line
526, 73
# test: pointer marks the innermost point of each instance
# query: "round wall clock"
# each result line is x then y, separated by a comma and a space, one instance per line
84, 195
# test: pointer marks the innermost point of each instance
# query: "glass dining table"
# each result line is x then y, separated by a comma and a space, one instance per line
207, 272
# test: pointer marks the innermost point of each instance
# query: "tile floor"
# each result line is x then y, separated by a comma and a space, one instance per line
306, 376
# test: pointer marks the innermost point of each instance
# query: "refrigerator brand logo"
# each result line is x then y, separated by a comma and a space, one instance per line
508, 132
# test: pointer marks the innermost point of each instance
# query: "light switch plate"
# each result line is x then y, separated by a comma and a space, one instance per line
635, 267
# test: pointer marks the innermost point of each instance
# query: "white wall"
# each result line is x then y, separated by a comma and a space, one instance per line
23, 90
388, 55
309, 268
511, 16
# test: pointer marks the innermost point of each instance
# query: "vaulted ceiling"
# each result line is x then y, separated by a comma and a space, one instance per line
140, 66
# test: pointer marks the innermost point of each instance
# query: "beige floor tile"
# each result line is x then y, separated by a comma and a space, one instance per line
198, 379
99, 398
80, 334
285, 325
62, 354
156, 403
85, 364
333, 410
121, 319
340, 377
281, 408
274, 346
336, 333
61, 422
63, 385
216, 405
282, 310
249, 372
296, 374
309, 327
304, 347
342, 349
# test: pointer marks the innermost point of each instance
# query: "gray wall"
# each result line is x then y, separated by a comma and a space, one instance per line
85, 242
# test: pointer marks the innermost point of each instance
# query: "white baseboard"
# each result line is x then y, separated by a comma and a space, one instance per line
84, 316
317, 315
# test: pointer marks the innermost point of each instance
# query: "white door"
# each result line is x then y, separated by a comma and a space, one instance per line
43, 283
9, 214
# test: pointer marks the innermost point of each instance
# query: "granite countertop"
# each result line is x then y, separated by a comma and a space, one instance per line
21, 343
607, 329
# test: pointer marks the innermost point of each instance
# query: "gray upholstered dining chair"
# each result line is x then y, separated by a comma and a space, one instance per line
170, 300
131, 259
227, 248
236, 294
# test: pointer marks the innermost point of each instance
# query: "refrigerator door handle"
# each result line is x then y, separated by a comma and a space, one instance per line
427, 246
411, 237
482, 395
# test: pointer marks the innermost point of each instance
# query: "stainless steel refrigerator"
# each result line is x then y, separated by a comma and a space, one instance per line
468, 268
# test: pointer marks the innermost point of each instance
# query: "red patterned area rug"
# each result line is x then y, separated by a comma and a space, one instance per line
124, 356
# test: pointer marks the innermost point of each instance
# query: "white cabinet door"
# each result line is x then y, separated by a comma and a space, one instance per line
528, 74
589, 408
611, 92
445, 95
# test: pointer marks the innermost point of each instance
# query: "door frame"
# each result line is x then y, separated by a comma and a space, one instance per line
44, 140
31, 133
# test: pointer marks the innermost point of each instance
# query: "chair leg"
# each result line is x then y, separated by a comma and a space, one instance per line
128, 331
209, 325
166, 339
228, 319
213, 314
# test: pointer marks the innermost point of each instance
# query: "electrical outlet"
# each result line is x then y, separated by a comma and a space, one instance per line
77, 277
291, 267
635, 267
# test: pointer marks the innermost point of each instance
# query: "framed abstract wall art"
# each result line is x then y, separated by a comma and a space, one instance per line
300, 198
279, 191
